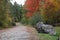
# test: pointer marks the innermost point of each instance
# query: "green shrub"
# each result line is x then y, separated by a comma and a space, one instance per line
24, 20
34, 19
31, 20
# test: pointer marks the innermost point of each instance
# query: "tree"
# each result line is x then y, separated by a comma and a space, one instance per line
51, 11
17, 11
31, 6
31, 12
5, 18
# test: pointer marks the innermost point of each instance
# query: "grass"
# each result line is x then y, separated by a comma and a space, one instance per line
57, 29
49, 37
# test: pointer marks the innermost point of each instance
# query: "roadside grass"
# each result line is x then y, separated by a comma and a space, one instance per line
49, 37
57, 29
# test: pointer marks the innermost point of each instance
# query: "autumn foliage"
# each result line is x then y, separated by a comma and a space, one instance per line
48, 9
31, 6
51, 10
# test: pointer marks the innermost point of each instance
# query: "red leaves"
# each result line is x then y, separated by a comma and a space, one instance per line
32, 6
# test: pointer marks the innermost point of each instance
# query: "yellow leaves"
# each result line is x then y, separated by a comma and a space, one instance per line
51, 11
56, 3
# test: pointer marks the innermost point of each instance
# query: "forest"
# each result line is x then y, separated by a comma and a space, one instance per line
29, 14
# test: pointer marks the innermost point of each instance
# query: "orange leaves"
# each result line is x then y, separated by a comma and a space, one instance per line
32, 6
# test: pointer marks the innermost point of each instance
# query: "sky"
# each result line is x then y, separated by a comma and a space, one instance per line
19, 1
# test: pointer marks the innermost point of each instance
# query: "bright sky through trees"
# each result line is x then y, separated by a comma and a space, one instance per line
19, 1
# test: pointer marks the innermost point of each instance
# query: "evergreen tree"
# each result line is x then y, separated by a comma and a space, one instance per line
17, 11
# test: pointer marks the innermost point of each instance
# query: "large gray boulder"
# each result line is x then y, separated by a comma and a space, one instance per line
39, 27
44, 28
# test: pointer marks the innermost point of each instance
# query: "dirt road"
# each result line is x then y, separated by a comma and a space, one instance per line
20, 32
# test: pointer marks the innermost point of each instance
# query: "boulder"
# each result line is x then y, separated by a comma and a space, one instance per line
39, 27
44, 28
